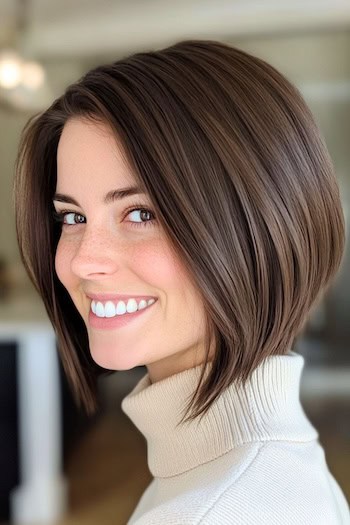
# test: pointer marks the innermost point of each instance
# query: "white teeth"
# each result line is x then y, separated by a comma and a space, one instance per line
131, 306
121, 308
109, 309
142, 304
100, 311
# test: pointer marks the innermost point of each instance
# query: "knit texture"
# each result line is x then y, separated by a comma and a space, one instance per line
253, 459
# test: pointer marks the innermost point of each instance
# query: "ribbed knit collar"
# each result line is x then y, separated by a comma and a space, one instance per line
268, 408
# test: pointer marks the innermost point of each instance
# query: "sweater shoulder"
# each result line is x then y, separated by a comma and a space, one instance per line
270, 483
288, 482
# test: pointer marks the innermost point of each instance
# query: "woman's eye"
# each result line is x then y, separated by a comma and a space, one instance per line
69, 218
73, 218
142, 217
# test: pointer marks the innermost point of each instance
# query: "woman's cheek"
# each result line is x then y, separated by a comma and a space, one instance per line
62, 263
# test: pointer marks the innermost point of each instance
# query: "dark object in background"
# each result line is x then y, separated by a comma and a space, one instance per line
74, 424
9, 461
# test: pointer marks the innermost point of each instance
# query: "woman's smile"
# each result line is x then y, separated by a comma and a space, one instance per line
111, 309
118, 320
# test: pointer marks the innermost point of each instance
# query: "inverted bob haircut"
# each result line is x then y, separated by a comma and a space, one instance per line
240, 179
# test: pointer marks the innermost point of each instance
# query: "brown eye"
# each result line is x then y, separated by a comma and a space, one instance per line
69, 218
73, 218
147, 217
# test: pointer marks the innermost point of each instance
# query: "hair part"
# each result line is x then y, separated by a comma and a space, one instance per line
243, 186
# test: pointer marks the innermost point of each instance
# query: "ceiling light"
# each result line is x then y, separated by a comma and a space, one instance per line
10, 69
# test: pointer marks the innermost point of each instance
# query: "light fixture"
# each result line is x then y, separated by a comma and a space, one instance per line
23, 80
10, 69
14, 70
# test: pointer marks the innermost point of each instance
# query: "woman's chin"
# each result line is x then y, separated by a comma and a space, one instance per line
113, 357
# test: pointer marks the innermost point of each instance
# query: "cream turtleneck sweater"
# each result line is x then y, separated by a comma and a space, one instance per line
254, 459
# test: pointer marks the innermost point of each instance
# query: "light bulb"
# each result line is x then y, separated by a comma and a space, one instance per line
10, 69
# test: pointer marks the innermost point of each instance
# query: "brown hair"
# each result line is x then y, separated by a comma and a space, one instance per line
241, 181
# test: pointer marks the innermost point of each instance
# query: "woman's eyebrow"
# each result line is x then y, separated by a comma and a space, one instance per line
110, 197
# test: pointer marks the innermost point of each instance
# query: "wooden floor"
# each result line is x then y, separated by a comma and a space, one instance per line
108, 471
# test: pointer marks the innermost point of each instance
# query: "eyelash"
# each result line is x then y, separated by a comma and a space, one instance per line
59, 216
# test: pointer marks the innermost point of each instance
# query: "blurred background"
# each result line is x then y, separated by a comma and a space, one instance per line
56, 464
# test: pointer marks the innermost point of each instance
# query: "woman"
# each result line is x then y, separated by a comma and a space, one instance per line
178, 209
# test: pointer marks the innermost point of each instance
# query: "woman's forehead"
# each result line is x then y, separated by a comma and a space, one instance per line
89, 151
80, 134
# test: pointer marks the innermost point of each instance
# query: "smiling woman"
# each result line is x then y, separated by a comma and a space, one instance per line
178, 209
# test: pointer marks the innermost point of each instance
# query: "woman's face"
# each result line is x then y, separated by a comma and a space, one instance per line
106, 248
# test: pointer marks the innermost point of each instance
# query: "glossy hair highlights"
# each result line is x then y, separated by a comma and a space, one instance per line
240, 179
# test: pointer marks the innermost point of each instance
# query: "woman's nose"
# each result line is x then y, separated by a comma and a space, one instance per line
97, 253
